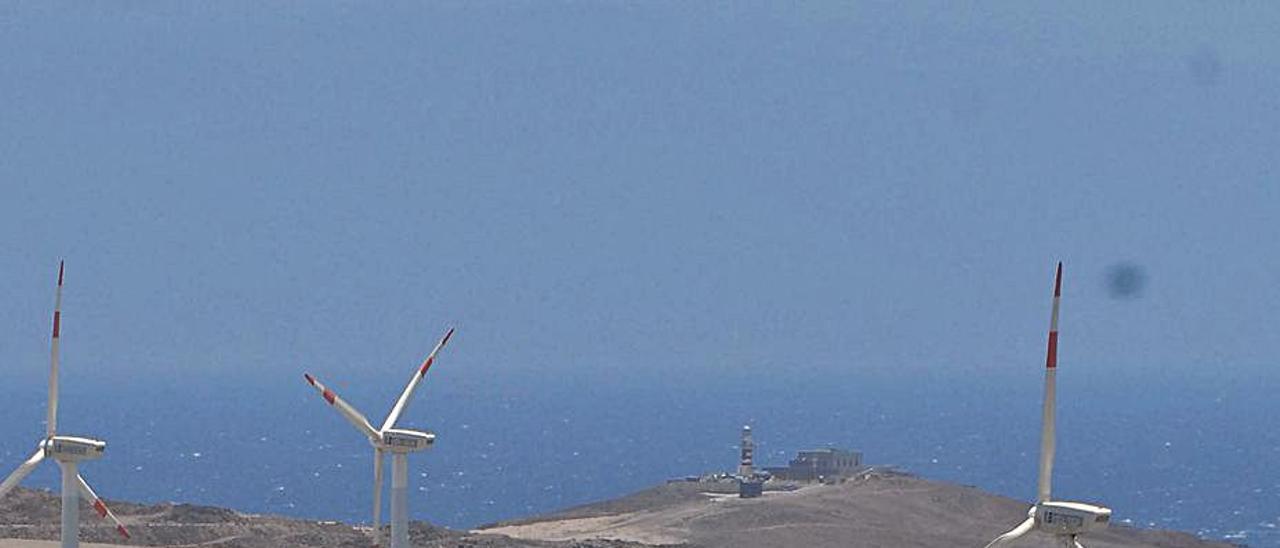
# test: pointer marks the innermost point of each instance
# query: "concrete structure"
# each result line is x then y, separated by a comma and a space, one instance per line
749, 489
819, 464
745, 467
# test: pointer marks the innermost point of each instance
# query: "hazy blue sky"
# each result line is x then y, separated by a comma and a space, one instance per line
672, 189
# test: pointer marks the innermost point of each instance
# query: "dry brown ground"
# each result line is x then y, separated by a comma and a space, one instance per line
882, 509
29, 519
889, 510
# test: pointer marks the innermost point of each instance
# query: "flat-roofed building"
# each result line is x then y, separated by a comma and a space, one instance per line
819, 464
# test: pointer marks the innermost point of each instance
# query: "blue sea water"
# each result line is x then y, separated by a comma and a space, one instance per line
1193, 454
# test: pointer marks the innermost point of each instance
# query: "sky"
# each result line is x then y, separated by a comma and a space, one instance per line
635, 192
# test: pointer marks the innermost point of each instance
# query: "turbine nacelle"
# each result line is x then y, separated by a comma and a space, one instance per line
398, 440
1070, 518
73, 449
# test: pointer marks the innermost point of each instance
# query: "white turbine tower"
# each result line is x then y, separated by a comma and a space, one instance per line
389, 439
67, 451
1063, 520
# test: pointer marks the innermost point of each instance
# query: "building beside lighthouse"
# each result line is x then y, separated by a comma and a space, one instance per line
827, 465
819, 465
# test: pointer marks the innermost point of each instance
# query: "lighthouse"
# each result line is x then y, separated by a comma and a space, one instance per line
749, 486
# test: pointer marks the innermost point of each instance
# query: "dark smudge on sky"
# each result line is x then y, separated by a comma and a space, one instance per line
1205, 67
1126, 280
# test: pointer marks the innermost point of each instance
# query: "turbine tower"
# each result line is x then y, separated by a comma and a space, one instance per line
389, 439
67, 451
1063, 520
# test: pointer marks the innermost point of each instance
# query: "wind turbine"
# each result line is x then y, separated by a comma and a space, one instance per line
67, 451
1063, 520
389, 439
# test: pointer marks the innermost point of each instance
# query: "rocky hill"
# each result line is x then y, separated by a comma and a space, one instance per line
28, 518
875, 509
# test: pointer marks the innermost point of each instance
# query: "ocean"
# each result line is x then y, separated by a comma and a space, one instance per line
1192, 454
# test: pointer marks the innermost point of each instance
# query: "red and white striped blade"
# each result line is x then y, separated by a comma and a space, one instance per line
51, 418
418, 374
356, 418
25, 469
1048, 420
1051, 357
100, 507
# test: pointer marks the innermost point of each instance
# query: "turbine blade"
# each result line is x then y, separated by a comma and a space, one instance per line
51, 419
1047, 419
377, 497
1013, 534
87, 493
352, 415
413, 383
22, 472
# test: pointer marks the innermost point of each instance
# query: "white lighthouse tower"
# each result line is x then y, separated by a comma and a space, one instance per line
746, 470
